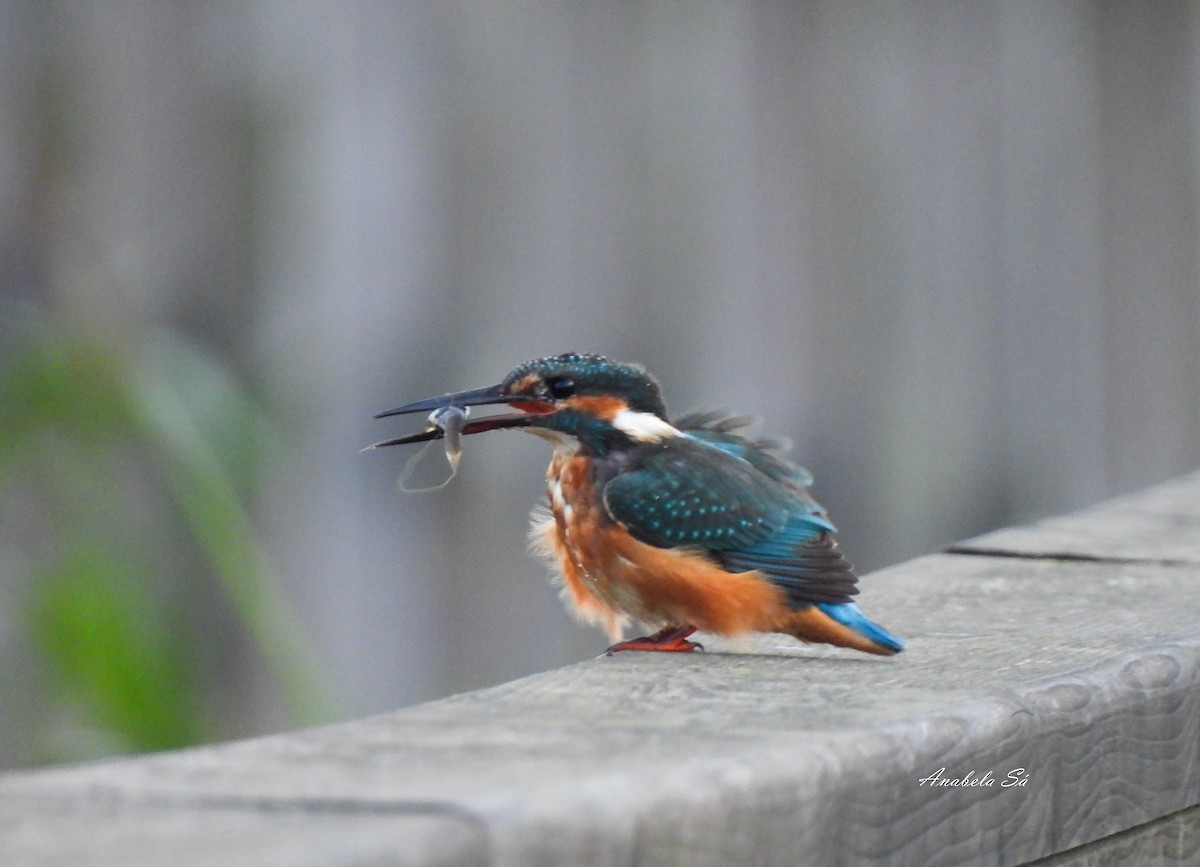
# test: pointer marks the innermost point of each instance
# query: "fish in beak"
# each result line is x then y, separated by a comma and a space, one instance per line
448, 414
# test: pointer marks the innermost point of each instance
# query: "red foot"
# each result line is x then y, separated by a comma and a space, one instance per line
673, 639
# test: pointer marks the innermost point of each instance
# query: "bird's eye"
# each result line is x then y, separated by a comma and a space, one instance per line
561, 387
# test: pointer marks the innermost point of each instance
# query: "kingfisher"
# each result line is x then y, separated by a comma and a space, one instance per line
680, 525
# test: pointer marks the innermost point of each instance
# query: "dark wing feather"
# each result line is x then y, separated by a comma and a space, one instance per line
683, 492
717, 427
803, 559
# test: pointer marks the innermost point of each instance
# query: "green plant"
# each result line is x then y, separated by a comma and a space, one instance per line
132, 464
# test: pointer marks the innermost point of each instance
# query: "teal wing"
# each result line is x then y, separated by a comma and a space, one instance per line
683, 492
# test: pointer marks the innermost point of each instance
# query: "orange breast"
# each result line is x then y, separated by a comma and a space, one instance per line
608, 576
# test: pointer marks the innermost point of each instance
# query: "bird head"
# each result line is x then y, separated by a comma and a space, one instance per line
603, 404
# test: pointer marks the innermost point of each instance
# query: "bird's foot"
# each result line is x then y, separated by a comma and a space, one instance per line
673, 639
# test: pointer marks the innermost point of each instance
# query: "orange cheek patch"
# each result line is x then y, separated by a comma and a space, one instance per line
599, 405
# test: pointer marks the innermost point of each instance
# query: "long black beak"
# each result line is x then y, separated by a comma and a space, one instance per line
492, 394
474, 397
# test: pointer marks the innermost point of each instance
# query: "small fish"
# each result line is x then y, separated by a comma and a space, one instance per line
451, 420
448, 423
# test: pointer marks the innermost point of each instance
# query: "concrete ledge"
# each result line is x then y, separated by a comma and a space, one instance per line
1064, 656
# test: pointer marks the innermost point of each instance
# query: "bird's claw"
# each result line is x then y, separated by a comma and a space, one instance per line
673, 639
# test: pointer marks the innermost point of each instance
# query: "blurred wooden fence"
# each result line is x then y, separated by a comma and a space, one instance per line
949, 248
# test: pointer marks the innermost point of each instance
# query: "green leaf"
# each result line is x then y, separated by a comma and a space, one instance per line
177, 425
106, 642
134, 463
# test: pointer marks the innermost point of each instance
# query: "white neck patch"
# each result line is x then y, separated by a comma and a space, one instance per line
644, 427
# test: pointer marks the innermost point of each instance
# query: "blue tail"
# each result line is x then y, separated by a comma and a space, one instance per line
849, 614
